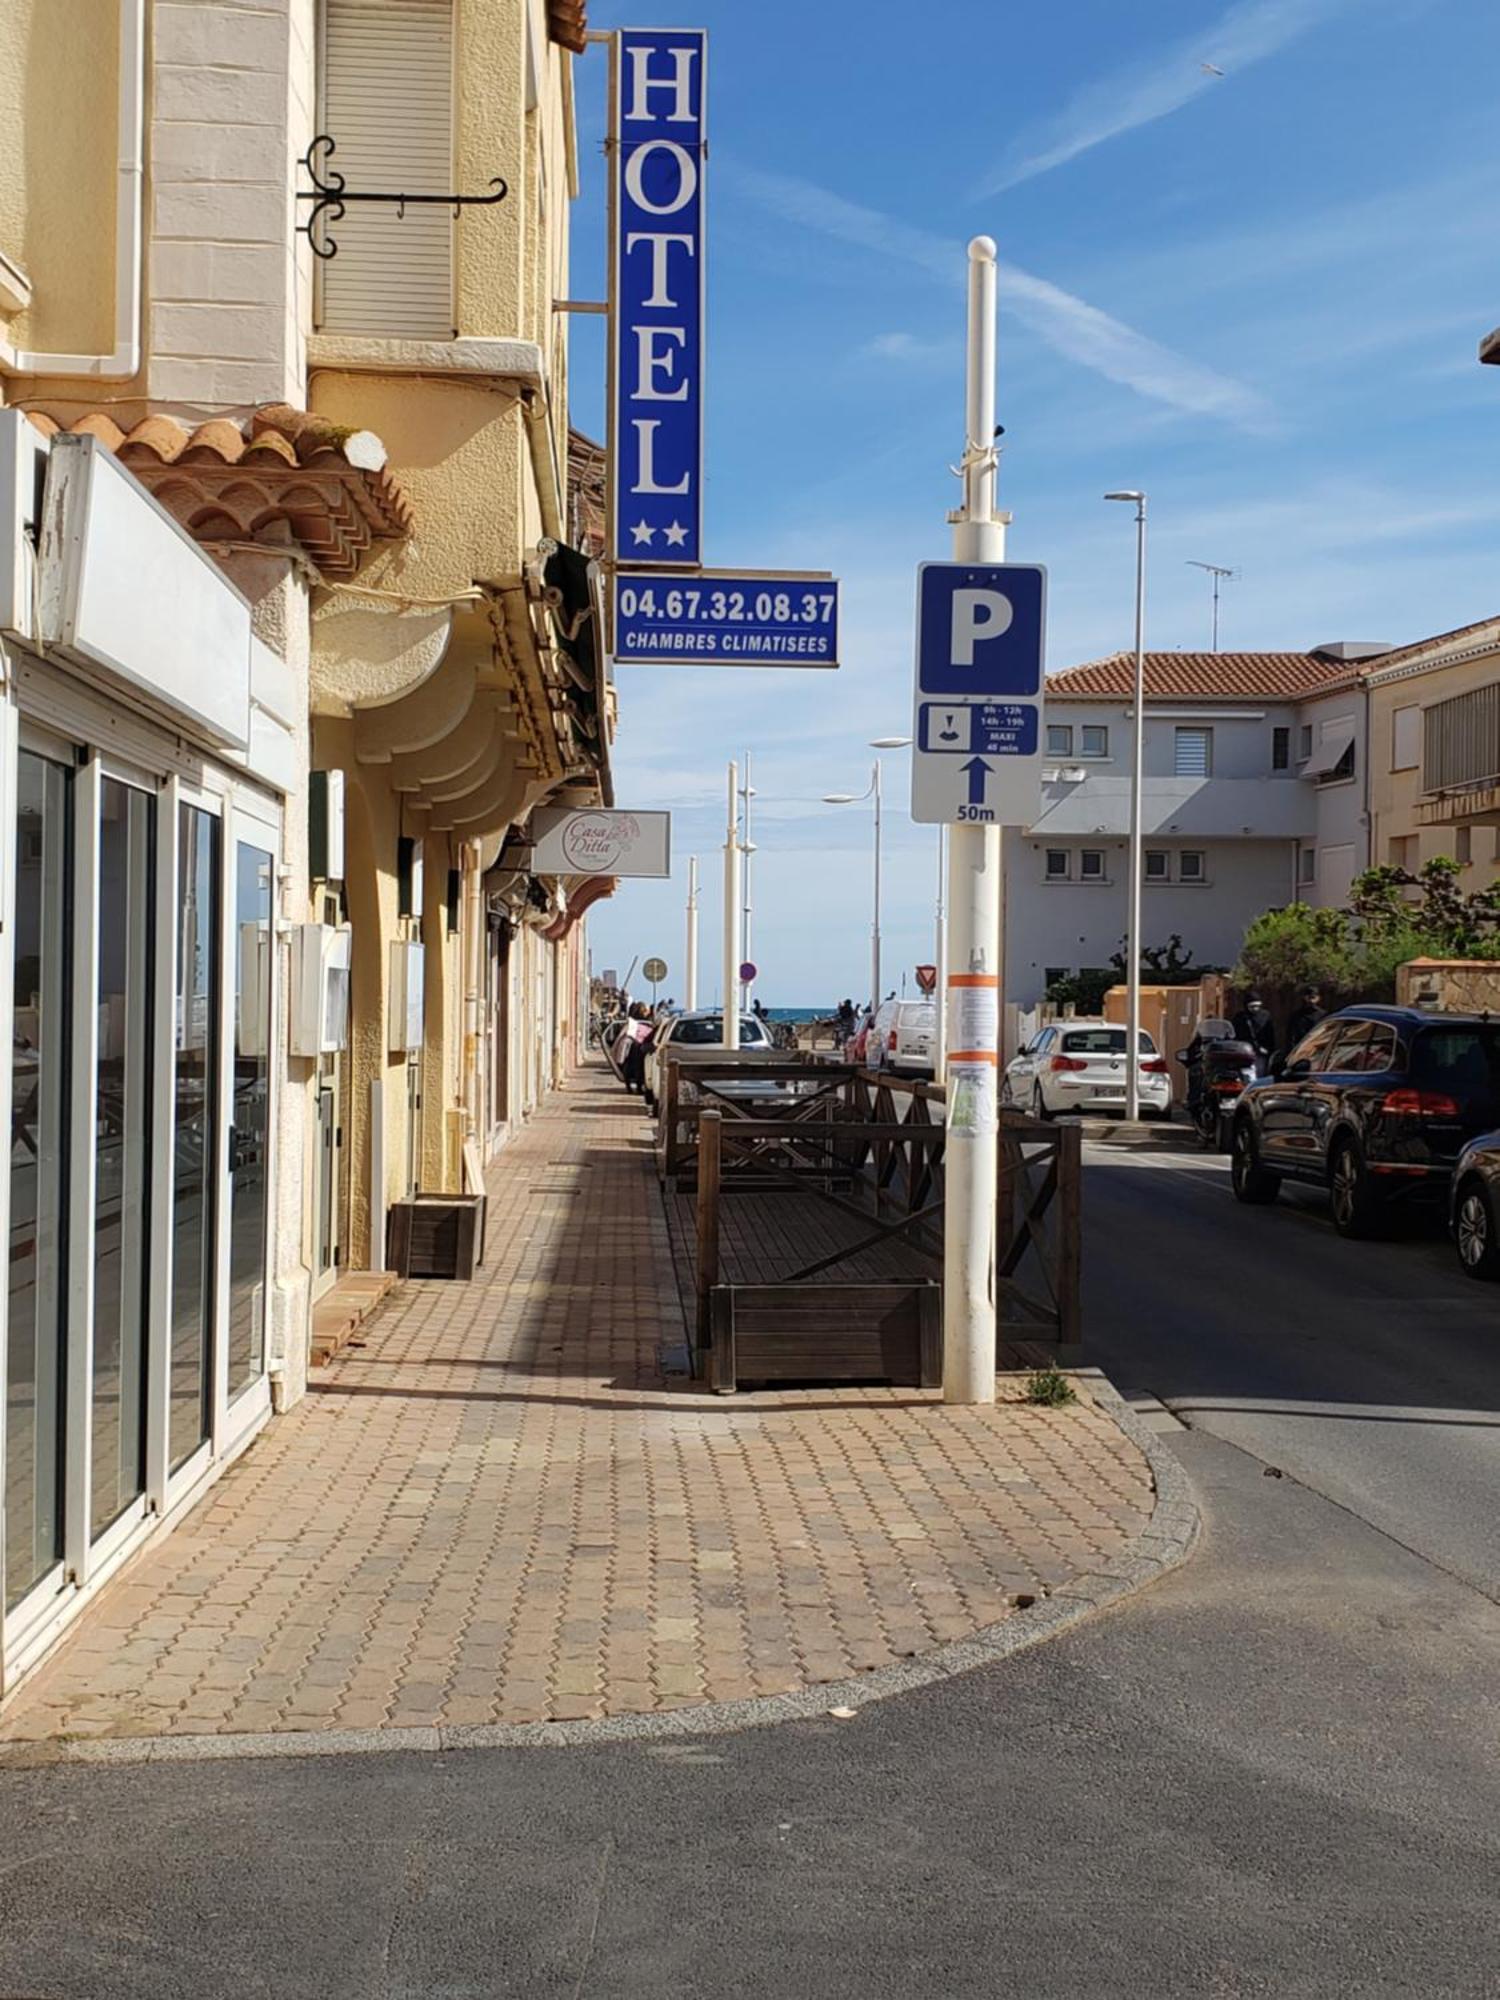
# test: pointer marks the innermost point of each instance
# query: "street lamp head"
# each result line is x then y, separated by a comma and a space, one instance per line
838, 798
1139, 498
890, 742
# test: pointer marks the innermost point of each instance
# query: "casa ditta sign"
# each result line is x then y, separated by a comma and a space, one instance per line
595, 841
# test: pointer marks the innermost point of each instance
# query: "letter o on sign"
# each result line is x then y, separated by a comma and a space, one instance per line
687, 176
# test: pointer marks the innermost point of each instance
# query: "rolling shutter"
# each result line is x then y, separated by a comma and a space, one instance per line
388, 107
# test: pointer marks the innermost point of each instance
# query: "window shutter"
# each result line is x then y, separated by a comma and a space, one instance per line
388, 107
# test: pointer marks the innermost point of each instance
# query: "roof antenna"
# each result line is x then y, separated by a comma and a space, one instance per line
1220, 575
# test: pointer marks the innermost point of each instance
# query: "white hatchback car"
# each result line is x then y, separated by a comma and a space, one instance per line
1080, 1066
902, 1038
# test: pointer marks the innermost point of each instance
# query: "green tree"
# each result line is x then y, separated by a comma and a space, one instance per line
1299, 946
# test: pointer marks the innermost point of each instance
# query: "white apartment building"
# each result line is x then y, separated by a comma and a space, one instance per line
1254, 795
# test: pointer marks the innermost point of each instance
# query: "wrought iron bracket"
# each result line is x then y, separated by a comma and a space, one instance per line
330, 196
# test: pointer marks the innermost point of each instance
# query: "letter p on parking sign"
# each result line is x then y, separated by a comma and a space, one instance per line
980, 629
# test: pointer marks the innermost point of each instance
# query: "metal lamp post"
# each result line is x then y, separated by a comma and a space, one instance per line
1133, 923
872, 791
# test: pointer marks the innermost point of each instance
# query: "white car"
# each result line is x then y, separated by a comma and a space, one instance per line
903, 1037
704, 1028
1080, 1066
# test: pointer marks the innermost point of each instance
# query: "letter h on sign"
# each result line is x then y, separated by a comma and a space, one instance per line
657, 354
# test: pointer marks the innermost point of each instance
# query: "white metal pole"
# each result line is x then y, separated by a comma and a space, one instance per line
940, 984
749, 863
875, 927
1133, 929
972, 986
690, 976
732, 916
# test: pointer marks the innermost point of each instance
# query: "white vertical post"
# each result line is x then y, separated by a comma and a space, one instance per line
972, 986
875, 993
690, 976
1133, 929
747, 849
940, 959
732, 916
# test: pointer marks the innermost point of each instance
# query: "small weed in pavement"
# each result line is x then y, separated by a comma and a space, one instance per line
1049, 1386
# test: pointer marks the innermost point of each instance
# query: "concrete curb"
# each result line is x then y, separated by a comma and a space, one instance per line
1165, 1541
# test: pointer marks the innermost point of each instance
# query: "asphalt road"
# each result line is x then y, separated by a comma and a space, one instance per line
1276, 1772
1370, 1371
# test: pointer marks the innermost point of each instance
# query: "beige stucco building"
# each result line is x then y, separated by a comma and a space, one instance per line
292, 641
1435, 753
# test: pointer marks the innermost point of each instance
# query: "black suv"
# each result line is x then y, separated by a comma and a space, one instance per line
1377, 1102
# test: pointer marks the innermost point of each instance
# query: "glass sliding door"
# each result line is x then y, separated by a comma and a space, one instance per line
250, 1132
122, 1132
34, 1389
196, 1148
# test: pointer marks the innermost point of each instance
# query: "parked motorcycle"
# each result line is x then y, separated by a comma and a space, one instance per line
1219, 1068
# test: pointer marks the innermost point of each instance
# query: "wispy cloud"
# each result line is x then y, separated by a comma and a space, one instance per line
1141, 93
1069, 325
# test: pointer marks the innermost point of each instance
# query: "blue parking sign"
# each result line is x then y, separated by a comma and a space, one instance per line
981, 629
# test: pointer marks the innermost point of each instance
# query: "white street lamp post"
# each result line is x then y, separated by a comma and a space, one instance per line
732, 916
690, 976
1133, 922
872, 791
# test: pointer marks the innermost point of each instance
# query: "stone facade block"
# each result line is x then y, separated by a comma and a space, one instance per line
223, 273
208, 96
219, 153
201, 212
228, 332
231, 38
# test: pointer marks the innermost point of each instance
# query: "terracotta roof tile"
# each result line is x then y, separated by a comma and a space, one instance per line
1402, 654
331, 485
567, 23
1202, 676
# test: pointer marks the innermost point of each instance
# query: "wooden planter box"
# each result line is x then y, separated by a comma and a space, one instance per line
826, 1333
436, 1236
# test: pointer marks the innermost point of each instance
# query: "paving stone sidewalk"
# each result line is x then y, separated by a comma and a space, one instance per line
498, 1509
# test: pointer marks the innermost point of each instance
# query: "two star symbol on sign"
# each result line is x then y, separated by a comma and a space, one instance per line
643, 534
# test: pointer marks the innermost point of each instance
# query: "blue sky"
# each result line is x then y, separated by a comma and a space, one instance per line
1258, 296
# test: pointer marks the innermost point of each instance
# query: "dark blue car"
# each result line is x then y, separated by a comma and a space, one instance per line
1376, 1105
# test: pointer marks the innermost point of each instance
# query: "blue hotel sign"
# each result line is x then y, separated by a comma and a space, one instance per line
657, 513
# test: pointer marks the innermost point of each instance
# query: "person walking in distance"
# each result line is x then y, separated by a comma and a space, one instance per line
1253, 1024
1310, 1011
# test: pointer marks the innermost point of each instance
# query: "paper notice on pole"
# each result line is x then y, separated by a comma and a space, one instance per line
973, 1017
971, 1100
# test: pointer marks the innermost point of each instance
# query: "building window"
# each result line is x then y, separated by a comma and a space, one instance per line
1059, 739
1304, 743
1091, 865
1463, 845
1194, 753
1190, 865
1401, 852
1343, 769
1156, 866
387, 104
1057, 864
1281, 749
1095, 740
1406, 739
1307, 865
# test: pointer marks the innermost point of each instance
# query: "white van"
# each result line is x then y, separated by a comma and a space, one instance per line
904, 1037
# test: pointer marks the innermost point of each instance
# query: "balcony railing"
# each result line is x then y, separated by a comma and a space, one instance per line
1461, 741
